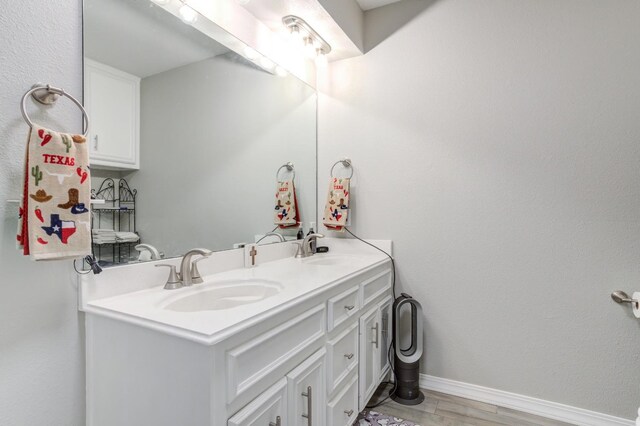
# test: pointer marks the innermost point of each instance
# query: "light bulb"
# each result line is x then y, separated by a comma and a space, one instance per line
266, 63
187, 14
321, 58
281, 72
294, 32
309, 48
161, 2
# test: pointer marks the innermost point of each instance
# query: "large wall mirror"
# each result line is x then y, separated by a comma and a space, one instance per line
188, 136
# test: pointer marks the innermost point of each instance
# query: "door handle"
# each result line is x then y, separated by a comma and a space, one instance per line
277, 423
309, 396
375, 329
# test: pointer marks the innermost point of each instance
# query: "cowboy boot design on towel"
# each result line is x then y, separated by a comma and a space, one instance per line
73, 199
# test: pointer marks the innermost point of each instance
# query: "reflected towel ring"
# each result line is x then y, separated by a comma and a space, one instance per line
346, 163
289, 167
48, 95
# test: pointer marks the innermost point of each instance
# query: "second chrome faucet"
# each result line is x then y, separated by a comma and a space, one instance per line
304, 249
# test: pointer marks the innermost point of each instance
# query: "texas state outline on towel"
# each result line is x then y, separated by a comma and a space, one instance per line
55, 221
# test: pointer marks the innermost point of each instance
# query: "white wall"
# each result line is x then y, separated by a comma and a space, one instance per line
41, 346
497, 143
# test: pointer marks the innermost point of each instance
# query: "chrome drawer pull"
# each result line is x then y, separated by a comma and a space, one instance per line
349, 307
348, 412
375, 328
348, 356
309, 415
277, 423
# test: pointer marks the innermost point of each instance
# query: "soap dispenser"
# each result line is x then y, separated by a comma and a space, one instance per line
313, 242
300, 234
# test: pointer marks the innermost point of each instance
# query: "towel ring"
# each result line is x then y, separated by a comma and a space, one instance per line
289, 167
346, 163
48, 95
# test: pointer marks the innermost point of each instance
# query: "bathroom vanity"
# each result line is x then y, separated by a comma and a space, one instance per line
287, 342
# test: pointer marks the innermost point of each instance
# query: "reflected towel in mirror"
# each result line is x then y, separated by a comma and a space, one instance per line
286, 210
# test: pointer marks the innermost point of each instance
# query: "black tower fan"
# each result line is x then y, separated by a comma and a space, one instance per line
407, 354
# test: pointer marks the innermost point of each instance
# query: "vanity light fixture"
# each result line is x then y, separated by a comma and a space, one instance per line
188, 14
314, 45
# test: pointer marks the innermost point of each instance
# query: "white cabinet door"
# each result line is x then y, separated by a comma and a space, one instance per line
270, 408
386, 331
307, 392
343, 409
112, 100
369, 355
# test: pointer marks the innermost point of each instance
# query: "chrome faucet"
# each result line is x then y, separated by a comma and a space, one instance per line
189, 272
304, 249
274, 234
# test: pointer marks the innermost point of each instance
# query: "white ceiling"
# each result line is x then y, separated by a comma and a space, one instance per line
136, 37
372, 4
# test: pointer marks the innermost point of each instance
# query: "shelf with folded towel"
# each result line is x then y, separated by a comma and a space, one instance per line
115, 209
101, 243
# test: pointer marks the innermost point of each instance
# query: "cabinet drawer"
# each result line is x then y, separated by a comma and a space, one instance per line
271, 404
265, 354
342, 357
343, 409
375, 287
342, 307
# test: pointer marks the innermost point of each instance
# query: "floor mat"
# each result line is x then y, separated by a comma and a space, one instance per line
373, 418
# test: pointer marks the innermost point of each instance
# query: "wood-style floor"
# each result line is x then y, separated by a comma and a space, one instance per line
440, 409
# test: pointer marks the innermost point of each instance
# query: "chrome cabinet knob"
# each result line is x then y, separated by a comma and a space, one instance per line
277, 423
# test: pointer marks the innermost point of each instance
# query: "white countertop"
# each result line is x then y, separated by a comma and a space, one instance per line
299, 279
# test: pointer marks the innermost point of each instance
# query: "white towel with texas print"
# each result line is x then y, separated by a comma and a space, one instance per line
286, 210
337, 207
55, 222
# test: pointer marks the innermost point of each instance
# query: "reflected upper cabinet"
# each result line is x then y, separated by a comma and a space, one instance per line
112, 98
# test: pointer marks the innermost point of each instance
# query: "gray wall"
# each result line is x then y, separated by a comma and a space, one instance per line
497, 142
41, 346
213, 135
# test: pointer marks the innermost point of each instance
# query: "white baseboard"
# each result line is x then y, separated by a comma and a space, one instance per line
527, 404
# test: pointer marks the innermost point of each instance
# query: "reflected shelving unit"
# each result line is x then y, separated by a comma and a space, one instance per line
116, 212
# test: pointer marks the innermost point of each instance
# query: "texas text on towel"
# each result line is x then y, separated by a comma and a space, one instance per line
286, 209
54, 214
337, 207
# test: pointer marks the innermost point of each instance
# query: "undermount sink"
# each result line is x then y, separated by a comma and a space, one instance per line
329, 260
225, 295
